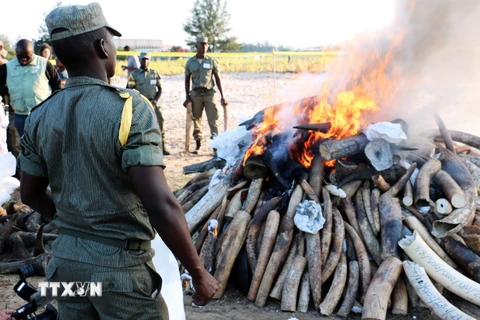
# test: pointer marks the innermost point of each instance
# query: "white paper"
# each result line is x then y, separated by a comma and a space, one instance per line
153, 82
308, 217
391, 132
207, 65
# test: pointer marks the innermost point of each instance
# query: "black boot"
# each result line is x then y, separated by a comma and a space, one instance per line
165, 151
199, 144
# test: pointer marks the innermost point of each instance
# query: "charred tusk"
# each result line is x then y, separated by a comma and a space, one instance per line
315, 178
466, 258
12, 267
471, 236
206, 205
407, 199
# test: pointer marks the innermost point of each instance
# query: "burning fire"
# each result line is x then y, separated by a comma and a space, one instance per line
360, 83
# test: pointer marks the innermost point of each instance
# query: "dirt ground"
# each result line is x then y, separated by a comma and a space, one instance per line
247, 93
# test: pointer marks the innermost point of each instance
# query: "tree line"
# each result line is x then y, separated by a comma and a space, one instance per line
209, 18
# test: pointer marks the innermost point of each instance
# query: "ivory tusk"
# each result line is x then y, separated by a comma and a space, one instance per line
326, 231
335, 292
292, 282
443, 207
371, 242
352, 289
276, 292
400, 298
314, 258
429, 295
268, 242
304, 295
337, 246
363, 262
418, 250
422, 185
253, 195
380, 289
450, 189
466, 258
415, 225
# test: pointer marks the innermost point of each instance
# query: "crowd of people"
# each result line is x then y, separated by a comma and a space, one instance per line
90, 157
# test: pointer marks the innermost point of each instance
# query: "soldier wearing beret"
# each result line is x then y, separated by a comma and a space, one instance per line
203, 71
148, 82
97, 147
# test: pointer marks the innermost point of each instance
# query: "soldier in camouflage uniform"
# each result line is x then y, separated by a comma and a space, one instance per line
148, 82
202, 70
97, 146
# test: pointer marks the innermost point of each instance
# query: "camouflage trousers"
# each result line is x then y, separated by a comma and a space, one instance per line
127, 293
199, 103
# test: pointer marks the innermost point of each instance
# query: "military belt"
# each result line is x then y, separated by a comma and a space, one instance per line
129, 244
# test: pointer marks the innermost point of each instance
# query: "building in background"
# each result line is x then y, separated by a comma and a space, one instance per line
141, 44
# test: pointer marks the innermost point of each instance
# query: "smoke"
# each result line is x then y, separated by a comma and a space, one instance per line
440, 60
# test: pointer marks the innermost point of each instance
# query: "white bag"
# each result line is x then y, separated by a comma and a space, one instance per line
167, 267
8, 184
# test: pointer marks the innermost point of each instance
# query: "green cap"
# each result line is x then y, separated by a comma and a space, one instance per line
202, 39
75, 20
144, 55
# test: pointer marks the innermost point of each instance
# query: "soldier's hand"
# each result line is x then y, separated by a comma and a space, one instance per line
187, 101
153, 102
205, 287
223, 102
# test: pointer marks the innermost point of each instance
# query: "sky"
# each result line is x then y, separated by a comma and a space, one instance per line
298, 24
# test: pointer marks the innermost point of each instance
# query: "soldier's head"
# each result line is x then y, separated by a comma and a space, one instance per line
24, 51
202, 44
82, 39
144, 60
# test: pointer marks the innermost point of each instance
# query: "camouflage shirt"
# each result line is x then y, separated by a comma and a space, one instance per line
73, 139
146, 82
202, 73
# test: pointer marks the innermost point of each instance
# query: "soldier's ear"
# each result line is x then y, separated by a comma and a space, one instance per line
101, 49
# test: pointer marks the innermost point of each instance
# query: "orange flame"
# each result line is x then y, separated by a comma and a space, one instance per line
359, 83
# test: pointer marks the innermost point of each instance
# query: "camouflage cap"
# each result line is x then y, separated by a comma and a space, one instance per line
75, 20
144, 55
202, 39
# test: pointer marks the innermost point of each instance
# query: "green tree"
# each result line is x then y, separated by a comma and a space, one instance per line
7, 46
210, 18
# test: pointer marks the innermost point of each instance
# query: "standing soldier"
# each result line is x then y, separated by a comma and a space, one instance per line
201, 69
148, 82
97, 147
